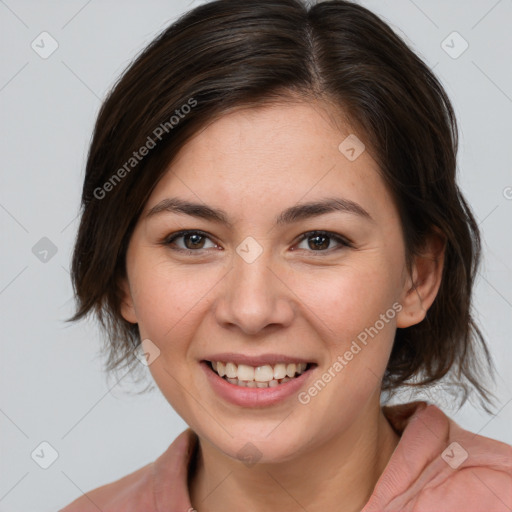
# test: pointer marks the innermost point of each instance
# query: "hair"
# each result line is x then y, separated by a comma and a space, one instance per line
232, 54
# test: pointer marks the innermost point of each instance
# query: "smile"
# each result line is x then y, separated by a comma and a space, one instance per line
264, 376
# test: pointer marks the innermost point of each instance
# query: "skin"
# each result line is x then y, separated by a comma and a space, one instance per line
293, 299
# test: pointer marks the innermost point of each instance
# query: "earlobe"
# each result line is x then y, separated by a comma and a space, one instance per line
422, 286
127, 308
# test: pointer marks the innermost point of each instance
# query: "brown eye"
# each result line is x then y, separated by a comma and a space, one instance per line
193, 241
319, 241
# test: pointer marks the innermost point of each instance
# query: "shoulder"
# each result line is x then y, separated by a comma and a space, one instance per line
440, 467
472, 489
130, 493
472, 472
144, 488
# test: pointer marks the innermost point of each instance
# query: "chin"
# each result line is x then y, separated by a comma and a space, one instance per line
254, 443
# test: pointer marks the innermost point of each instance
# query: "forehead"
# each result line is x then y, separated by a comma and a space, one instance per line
282, 153
282, 136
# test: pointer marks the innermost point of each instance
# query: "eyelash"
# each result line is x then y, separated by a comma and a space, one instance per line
168, 241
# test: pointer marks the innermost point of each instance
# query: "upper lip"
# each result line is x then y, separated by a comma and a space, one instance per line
261, 360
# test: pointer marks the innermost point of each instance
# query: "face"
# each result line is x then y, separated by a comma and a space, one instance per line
254, 286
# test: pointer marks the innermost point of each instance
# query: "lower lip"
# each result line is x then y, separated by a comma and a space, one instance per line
254, 397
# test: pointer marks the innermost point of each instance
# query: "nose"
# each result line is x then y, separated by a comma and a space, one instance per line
254, 297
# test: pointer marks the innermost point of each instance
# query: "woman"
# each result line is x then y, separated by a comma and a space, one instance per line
270, 212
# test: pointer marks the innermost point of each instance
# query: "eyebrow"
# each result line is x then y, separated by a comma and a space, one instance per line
293, 214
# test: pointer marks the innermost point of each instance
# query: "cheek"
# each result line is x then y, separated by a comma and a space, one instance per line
347, 303
167, 301
348, 299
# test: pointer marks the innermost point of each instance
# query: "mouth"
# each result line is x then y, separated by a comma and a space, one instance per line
264, 376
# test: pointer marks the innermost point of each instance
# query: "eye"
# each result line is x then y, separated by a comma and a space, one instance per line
321, 240
194, 241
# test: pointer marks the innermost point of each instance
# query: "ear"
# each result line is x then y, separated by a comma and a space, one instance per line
421, 288
127, 308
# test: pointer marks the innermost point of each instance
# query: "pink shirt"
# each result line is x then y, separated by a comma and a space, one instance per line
436, 467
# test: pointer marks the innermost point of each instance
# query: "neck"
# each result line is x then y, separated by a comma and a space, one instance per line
344, 470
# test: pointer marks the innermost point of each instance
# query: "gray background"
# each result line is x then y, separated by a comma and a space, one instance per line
51, 380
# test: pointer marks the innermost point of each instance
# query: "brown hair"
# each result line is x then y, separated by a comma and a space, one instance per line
230, 54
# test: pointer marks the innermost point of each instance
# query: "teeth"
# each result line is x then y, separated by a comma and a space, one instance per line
279, 371
290, 370
231, 370
260, 376
245, 372
264, 373
253, 384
